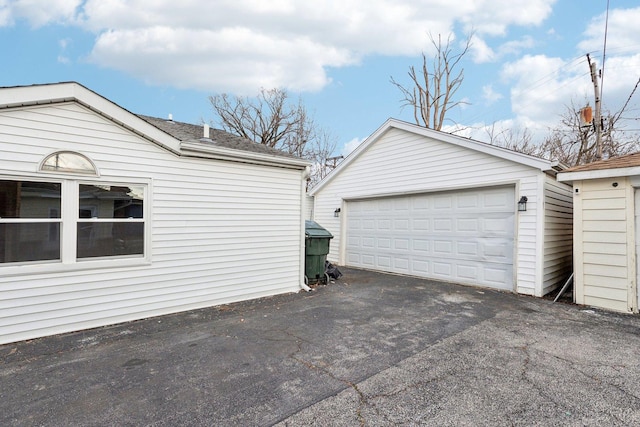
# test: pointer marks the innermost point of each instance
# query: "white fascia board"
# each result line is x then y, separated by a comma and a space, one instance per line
597, 174
208, 151
24, 96
534, 162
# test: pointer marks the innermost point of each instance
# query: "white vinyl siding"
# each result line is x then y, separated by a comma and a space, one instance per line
220, 231
603, 217
402, 162
558, 234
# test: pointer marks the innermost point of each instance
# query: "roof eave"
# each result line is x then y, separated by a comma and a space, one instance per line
209, 151
598, 174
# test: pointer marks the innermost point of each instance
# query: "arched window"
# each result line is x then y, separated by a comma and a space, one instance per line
68, 161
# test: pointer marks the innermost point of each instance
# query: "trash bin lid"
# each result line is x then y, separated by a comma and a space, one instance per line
313, 229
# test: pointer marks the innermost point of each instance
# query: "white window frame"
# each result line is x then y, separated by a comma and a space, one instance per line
69, 215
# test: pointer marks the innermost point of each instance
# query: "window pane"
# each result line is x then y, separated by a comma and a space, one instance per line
24, 199
29, 242
111, 201
99, 239
68, 162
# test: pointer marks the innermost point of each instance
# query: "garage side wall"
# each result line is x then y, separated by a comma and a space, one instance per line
401, 162
558, 234
603, 248
220, 231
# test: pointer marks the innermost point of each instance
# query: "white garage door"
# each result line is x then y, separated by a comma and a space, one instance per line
462, 236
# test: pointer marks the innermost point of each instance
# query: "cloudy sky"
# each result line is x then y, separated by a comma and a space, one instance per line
156, 57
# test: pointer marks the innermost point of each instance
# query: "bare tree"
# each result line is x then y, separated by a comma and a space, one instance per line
573, 144
271, 119
515, 140
433, 87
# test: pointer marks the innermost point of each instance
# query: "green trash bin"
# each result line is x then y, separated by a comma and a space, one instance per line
316, 248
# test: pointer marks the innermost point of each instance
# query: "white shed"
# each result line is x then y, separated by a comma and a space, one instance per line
606, 228
415, 201
108, 217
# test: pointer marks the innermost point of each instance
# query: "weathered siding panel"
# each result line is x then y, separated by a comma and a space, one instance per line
603, 216
402, 162
221, 231
558, 234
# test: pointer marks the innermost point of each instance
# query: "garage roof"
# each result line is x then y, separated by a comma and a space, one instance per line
525, 159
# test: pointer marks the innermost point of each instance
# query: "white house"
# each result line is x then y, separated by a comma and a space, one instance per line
420, 202
606, 224
108, 217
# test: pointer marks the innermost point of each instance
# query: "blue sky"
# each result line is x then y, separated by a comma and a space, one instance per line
157, 57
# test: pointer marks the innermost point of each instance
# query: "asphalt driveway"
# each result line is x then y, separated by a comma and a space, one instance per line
370, 349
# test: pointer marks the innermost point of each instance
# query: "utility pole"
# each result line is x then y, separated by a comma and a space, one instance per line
597, 122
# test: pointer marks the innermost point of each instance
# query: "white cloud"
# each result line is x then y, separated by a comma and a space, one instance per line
623, 32
494, 16
241, 45
351, 145
480, 51
5, 13
542, 87
233, 59
490, 95
37, 12
514, 47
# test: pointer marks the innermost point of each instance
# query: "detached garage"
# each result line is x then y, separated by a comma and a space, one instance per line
415, 201
106, 216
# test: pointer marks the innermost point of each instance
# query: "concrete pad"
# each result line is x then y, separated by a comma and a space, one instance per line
371, 349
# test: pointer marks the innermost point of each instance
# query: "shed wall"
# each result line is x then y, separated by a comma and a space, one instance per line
603, 243
401, 162
220, 231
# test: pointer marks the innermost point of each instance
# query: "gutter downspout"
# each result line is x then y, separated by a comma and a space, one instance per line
303, 199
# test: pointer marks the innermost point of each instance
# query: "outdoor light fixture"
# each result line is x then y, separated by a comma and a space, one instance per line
522, 204
336, 213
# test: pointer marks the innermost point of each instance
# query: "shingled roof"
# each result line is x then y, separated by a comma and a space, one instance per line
628, 161
187, 132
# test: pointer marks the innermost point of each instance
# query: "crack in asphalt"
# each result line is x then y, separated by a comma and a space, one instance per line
361, 396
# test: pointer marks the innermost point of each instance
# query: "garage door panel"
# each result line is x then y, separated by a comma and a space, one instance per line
401, 264
468, 249
384, 261
367, 260
420, 224
441, 225
368, 224
467, 201
401, 245
460, 236
497, 199
420, 268
442, 269
421, 245
443, 247
468, 225
468, 272
384, 224
442, 202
